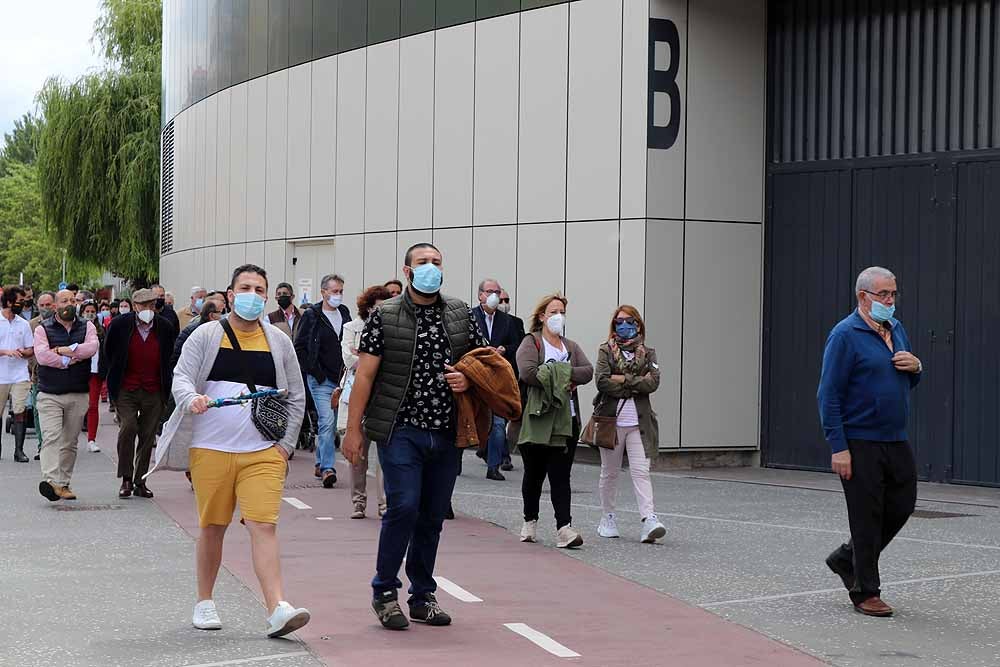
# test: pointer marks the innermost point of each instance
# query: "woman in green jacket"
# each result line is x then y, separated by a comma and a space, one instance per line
548, 441
626, 375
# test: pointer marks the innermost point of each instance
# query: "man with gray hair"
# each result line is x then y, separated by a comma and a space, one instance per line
317, 345
864, 402
193, 309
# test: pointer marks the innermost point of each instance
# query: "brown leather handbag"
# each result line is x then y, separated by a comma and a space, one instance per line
601, 431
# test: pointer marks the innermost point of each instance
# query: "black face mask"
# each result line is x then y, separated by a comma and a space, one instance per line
29, 303
17, 308
67, 313
284, 301
160, 303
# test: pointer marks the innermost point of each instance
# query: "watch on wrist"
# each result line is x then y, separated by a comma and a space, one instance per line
920, 366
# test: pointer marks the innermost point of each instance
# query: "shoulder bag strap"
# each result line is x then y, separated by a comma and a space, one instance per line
248, 376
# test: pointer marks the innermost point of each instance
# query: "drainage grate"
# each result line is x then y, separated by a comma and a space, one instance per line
87, 508
936, 514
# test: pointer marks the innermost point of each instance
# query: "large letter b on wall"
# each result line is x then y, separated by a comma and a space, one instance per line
664, 32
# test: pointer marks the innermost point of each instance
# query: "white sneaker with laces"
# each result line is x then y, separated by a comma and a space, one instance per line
528, 531
568, 538
608, 526
206, 616
286, 619
652, 529
92, 446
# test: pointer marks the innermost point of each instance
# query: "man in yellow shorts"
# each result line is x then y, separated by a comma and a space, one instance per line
230, 458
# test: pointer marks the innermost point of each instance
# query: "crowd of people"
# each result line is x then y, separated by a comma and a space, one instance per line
233, 390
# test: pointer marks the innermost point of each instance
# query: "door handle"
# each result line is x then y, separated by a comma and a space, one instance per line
933, 336
948, 338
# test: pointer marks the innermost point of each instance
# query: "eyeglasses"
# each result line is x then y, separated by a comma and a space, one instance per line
503, 300
625, 320
491, 291
883, 295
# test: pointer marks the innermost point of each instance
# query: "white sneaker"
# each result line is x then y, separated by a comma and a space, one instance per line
652, 529
608, 526
567, 538
286, 619
528, 531
92, 446
206, 616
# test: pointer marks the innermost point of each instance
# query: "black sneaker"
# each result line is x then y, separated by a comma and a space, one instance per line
429, 612
386, 607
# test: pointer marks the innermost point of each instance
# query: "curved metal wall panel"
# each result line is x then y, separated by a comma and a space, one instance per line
210, 45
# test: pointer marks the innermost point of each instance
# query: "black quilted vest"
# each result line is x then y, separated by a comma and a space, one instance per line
399, 331
72, 380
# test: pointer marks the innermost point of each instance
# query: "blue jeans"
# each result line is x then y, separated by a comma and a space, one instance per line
418, 470
496, 445
326, 453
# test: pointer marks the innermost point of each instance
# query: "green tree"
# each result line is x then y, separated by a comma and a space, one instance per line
99, 149
28, 248
20, 145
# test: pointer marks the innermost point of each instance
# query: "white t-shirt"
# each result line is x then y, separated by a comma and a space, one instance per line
335, 320
15, 334
553, 353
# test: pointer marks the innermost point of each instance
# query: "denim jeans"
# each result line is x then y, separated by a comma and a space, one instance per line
321, 392
418, 469
496, 445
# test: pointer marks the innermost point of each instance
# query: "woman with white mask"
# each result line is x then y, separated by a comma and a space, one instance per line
551, 367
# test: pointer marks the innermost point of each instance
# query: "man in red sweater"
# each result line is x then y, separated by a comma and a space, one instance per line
137, 351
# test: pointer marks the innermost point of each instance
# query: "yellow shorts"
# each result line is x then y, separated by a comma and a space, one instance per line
220, 479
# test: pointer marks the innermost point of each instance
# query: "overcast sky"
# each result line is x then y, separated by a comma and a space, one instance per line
38, 39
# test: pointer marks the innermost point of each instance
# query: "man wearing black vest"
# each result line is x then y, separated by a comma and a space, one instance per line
137, 351
64, 345
406, 381
317, 345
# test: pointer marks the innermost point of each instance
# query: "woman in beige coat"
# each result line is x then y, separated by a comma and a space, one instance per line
627, 373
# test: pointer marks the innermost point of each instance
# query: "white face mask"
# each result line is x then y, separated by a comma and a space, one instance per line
492, 301
504, 307
556, 323
124, 310
335, 300
145, 315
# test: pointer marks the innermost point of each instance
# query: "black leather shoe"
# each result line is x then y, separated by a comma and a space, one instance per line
846, 575
126, 489
142, 491
507, 466
494, 474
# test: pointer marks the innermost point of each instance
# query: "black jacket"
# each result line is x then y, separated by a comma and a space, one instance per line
318, 345
508, 331
114, 356
181, 339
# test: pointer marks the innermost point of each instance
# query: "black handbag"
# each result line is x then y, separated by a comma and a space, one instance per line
269, 414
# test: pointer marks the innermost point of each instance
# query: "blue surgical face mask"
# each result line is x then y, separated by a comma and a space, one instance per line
427, 278
627, 331
198, 303
248, 306
881, 312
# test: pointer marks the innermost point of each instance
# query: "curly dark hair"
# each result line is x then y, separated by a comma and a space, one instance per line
366, 302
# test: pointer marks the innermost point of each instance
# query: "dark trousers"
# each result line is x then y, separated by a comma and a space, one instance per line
138, 415
418, 470
881, 495
555, 463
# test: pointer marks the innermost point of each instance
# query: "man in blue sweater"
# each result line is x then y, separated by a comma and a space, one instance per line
868, 372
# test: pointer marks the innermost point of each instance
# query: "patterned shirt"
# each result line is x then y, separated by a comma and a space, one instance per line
428, 404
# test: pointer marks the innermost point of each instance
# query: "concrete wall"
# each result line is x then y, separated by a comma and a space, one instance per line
518, 145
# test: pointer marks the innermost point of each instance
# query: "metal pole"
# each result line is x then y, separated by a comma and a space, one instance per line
64, 265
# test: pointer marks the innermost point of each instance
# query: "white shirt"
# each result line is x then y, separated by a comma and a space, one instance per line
489, 323
15, 334
553, 353
335, 320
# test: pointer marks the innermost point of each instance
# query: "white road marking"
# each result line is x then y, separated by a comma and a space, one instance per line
456, 591
742, 522
901, 582
541, 640
247, 661
324, 518
297, 504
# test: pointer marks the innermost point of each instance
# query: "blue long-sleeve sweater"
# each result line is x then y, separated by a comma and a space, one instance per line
861, 394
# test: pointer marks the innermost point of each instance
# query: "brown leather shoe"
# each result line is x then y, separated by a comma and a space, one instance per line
126, 490
142, 491
873, 606
65, 493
